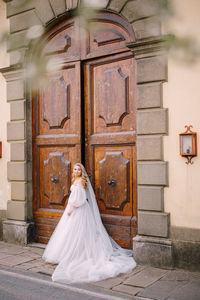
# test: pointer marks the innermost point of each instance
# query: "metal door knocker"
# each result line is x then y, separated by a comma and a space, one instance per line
112, 182
54, 179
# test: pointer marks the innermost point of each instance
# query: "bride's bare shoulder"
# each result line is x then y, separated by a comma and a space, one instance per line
79, 182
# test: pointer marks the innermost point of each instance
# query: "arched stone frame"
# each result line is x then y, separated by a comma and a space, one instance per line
152, 245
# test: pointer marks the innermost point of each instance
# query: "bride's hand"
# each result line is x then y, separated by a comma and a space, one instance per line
69, 213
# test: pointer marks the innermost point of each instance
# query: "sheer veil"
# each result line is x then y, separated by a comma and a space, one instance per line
111, 247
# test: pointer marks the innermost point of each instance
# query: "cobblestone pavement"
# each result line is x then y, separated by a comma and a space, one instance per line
143, 282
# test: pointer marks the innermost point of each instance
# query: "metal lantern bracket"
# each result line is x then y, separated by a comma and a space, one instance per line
188, 144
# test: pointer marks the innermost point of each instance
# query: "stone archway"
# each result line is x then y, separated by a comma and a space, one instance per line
153, 222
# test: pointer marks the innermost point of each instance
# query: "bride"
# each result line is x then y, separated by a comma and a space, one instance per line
80, 244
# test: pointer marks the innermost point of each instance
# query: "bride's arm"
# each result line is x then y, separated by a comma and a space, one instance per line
79, 198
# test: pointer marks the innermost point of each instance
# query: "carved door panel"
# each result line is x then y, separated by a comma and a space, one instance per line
110, 141
56, 145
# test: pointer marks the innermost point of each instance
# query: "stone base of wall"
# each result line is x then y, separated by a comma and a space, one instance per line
18, 232
186, 255
152, 251
165, 253
2, 218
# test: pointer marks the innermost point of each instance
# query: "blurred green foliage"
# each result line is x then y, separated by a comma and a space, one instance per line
184, 49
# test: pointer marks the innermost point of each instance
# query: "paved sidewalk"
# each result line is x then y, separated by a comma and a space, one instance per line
143, 282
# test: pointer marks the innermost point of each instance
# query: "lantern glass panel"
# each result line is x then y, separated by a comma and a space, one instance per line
186, 144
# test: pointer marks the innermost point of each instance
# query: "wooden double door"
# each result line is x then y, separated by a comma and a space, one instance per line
86, 113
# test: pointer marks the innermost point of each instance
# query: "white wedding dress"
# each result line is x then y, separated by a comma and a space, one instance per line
81, 246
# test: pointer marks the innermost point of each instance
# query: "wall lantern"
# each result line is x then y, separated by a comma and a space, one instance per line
188, 144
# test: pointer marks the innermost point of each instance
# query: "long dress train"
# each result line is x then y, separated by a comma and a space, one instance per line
81, 246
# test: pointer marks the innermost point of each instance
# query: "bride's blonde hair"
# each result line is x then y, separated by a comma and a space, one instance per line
83, 175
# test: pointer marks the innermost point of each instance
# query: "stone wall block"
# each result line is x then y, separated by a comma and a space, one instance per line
138, 9
16, 131
150, 198
17, 110
14, 7
16, 210
18, 191
153, 224
17, 56
58, 6
149, 95
151, 69
18, 151
24, 21
71, 4
44, 10
18, 40
149, 147
17, 171
147, 28
152, 173
15, 90
152, 121
116, 5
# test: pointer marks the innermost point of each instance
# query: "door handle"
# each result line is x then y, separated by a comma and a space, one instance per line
90, 175
54, 179
112, 182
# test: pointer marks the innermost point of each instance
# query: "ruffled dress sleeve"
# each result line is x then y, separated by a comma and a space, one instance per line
77, 197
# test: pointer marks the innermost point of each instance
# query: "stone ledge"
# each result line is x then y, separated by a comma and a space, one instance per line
155, 252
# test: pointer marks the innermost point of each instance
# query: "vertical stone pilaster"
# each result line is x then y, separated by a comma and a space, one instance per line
16, 227
151, 245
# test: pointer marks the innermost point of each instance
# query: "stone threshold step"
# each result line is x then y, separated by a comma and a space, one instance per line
37, 245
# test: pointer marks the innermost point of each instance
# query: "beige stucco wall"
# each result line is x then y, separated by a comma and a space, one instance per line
4, 114
182, 98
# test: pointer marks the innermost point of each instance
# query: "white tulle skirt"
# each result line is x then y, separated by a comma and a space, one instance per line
81, 253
